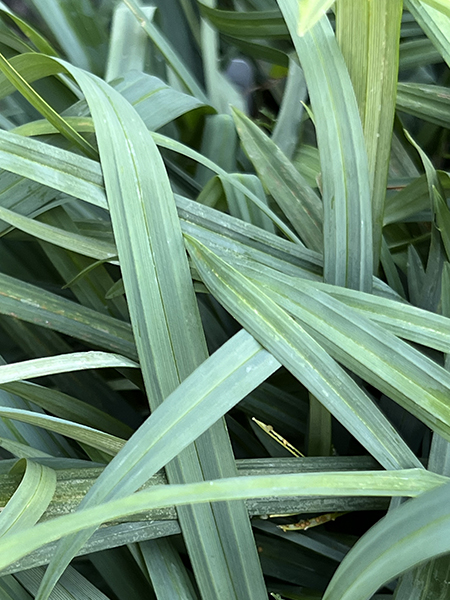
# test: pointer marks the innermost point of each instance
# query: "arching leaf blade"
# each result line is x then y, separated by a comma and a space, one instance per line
31, 498
398, 542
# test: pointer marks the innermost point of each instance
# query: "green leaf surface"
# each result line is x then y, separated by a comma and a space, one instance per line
300, 354
32, 34
31, 66
35, 305
220, 90
155, 101
229, 375
86, 435
405, 320
410, 482
407, 375
412, 201
99, 249
310, 12
123, 56
434, 23
31, 498
368, 34
286, 131
440, 5
171, 56
73, 586
260, 51
398, 542
345, 176
297, 200
53, 167
59, 169
44, 108
442, 220
12, 590
167, 572
22, 450
77, 29
427, 102
76, 361
258, 25
170, 342
418, 53
67, 407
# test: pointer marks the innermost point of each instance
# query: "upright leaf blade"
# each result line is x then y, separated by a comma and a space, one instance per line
297, 200
368, 34
347, 234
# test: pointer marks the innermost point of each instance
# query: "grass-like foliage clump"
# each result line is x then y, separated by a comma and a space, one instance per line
224, 299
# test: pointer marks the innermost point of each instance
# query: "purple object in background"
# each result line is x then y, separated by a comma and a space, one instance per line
240, 73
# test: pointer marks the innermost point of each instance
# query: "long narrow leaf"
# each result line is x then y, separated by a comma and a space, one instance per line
301, 355
311, 11
410, 482
156, 274
346, 185
435, 24
368, 35
76, 361
31, 498
398, 542
35, 305
45, 109
86, 435
296, 199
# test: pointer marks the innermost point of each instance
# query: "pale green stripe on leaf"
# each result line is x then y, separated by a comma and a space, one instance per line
22, 450
80, 177
123, 56
407, 376
33, 35
87, 246
169, 340
67, 407
231, 373
442, 6
36, 305
75, 361
60, 169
